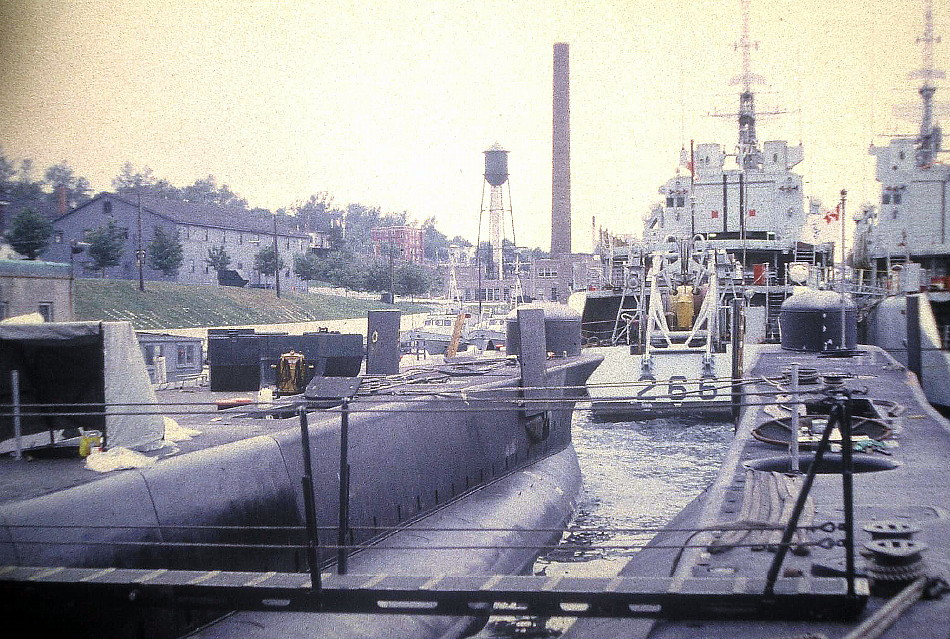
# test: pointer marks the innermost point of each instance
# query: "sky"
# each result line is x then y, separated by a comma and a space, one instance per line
390, 103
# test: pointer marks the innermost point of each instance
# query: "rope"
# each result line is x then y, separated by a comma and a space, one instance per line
767, 503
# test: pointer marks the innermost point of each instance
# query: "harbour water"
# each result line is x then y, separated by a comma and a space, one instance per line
637, 474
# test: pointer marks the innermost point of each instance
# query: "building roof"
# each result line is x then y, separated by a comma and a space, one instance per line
34, 268
210, 215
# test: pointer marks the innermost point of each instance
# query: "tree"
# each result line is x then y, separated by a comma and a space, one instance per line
435, 245
165, 252
106, 244
61, 176
265, 262
412, 279
218, 258
29, 233
307, 266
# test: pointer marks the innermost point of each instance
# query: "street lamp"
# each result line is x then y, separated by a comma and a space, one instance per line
75, 248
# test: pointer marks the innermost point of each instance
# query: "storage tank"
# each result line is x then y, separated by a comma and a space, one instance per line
496, 165
562, 329
811, 321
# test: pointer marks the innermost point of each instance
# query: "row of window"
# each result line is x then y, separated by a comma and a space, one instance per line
238, 237
185, 352
891, 198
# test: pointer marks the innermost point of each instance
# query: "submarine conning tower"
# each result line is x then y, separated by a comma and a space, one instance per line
810, 321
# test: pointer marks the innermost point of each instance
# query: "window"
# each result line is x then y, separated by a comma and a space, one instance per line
107, 207
46, 310
897, 198
547, 271
669, 202
186, 355
149, 355
553, 294
4, 309
58, 237
240, 238
191, 263
886, 198
680, 202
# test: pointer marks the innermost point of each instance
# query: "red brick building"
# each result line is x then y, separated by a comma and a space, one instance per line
406, 240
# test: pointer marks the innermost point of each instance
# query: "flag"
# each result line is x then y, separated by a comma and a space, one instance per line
714, 214
833, 215
751, 212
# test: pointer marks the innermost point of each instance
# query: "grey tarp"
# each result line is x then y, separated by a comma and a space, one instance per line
96, 364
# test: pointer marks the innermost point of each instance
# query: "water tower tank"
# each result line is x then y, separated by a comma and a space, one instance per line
496, 165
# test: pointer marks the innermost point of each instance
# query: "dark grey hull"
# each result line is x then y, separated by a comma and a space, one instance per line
407, 458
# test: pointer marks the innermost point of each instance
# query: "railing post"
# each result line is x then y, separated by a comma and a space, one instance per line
737, 339
792, 524
344, 510
17, 426
914, 359
309, 504
795, 422
847, 485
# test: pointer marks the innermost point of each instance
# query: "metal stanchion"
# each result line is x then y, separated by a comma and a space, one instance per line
309, 505
343, 528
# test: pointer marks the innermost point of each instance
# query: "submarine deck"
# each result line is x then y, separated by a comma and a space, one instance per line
905, 482
195, 408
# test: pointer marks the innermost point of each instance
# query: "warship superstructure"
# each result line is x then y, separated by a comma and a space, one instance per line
905, 240
747, 203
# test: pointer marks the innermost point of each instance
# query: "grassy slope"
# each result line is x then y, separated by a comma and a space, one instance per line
167, 305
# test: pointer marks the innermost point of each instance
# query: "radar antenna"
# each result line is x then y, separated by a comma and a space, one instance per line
928, 144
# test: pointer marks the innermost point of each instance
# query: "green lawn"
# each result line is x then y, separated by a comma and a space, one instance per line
167, 305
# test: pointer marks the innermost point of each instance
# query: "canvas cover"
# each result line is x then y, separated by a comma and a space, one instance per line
77, 363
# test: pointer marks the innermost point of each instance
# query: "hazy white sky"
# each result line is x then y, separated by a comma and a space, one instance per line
390, 103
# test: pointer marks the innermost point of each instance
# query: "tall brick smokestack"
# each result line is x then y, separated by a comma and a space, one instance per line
561, 154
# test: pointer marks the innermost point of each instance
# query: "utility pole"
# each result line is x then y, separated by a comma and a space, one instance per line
276, 260
140, 253
392, 268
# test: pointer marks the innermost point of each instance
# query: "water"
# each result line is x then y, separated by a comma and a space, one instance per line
637, 474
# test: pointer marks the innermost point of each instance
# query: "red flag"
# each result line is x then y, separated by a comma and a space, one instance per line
751, 212
714, 214
833, 215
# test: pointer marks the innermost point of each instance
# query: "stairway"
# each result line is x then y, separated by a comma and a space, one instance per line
774, 301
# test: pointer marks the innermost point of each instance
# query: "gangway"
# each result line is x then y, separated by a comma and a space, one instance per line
455, 595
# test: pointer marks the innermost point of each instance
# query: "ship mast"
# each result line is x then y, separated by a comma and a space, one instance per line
750, 157
928, 144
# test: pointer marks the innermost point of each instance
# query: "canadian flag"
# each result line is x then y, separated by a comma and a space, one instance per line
833, 214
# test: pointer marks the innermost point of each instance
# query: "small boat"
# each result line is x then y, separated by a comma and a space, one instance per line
437, 332
680, 361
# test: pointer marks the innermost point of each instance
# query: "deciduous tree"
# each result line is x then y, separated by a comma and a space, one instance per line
165, 251
106, 245
29, 233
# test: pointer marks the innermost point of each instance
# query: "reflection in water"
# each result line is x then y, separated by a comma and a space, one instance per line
637, 474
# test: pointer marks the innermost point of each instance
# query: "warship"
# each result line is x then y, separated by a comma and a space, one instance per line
747, 203
904, 242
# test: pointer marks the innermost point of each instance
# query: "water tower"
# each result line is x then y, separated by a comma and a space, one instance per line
496, 175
